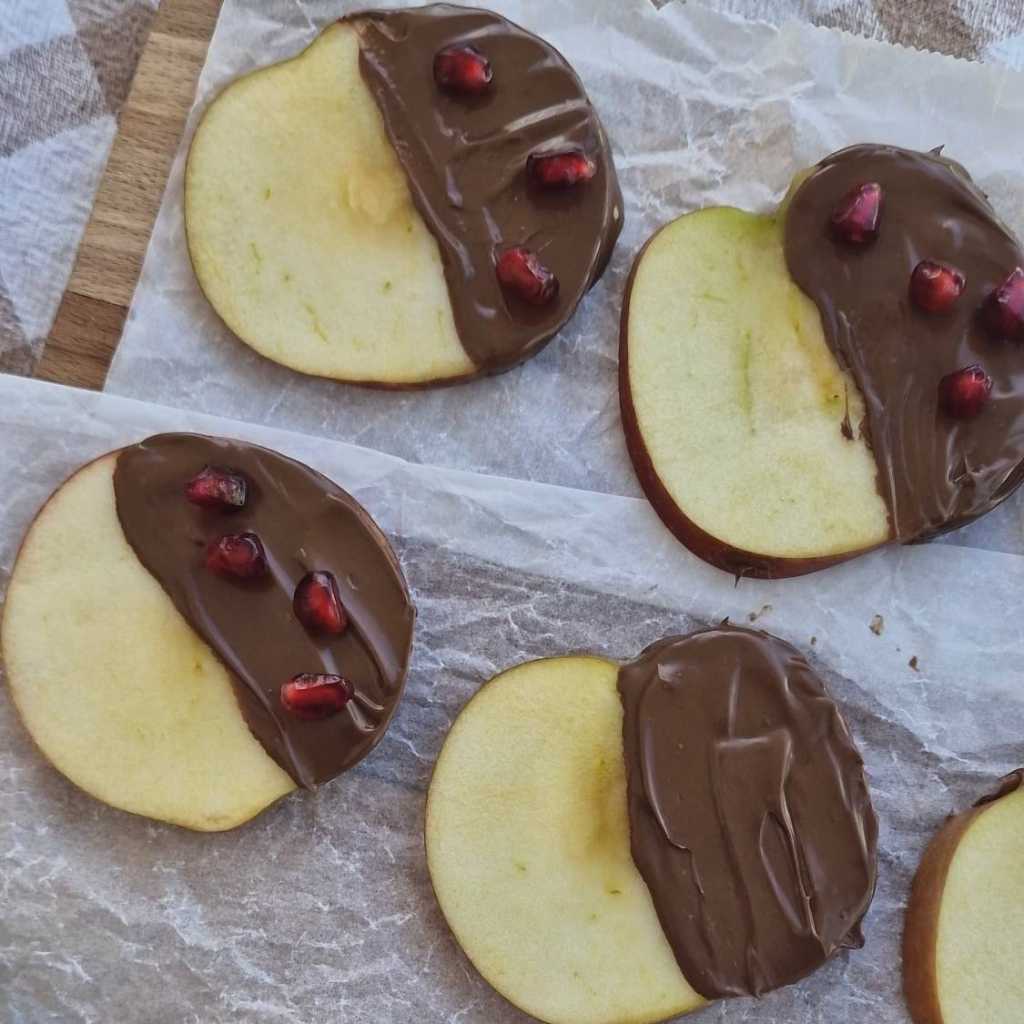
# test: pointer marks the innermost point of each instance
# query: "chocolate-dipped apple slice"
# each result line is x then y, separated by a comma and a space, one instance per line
802, 387
626, 842
422, 196
965, 922
196, 626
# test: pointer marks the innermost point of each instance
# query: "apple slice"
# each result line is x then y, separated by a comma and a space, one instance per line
302, 230
424, 195
740, 422
116, 689
528, 848
965, 921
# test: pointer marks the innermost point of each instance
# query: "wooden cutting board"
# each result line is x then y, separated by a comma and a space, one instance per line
92, 312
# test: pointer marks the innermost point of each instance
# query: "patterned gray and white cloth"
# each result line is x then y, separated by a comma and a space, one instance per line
66, 66
65, 69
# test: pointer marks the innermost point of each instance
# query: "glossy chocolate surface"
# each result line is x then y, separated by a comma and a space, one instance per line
306, 523
935, 472
465, 160
750, 818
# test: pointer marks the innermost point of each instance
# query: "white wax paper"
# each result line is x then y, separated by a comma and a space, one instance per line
321, 909
701, 107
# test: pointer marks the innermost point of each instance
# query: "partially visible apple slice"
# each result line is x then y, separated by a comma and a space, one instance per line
302, 230
740, 422
965, 923
528, 847
116, 689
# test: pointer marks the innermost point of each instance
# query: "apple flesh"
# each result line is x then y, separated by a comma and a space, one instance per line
113, 685
303, 233
741, 425
527, 836
965, 921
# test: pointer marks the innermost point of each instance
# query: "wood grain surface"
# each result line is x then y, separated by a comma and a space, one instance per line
92, 312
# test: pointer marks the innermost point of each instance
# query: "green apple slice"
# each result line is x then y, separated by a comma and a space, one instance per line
116, 689
527, 838
965, 922
741, 424
303, 233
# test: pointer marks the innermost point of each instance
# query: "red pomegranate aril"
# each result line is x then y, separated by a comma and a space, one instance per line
560, 170
1003, 311
217, 487
237, 554
935, 287
462, 69
522, 273
963, 394
317, 604
313, 695
855, 219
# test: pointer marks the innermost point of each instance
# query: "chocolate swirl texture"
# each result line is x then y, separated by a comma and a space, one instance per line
465, 161
750, 818
934, 472
306, 523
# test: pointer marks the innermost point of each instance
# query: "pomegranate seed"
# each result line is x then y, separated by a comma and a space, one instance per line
216, 487
560, 170
312, 695
317, 604
237, 554
935, 287
1004, 308
521, 272
462, 69
855, 219
963, 394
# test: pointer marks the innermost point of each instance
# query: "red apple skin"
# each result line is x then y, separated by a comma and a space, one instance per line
921, 926
735, 561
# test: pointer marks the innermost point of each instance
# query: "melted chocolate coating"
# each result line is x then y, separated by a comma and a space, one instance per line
306, 522
750, 818
465, 160
935, 472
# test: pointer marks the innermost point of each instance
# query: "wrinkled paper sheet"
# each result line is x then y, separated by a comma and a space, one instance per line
702, 108
321, 909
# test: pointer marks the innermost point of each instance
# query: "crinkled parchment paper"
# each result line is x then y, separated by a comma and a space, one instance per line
321, 909
702, 108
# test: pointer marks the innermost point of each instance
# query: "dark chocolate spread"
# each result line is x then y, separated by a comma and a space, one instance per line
750, 818
465, 161
934, 472
306, 523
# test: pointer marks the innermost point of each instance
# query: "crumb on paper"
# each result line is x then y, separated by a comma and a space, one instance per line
877, 625
754, 616
913, 663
